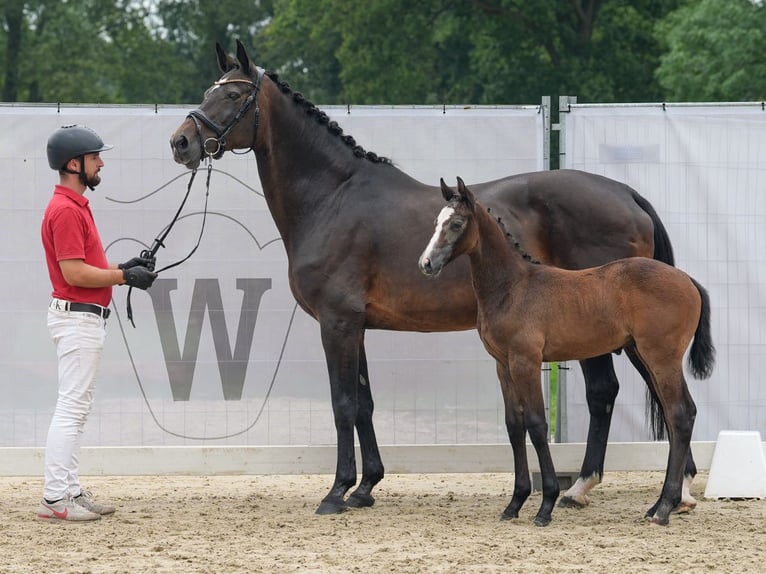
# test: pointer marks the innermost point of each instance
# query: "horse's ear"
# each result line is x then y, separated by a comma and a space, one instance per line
243, 57
446, 191
465, 193
223, 58
225, 62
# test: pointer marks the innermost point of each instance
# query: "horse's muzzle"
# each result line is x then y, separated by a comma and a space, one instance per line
184, 150
427, 268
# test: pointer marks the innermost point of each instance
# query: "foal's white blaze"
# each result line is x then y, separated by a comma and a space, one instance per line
444, 215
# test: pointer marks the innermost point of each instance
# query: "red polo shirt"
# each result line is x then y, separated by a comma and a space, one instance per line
69, 232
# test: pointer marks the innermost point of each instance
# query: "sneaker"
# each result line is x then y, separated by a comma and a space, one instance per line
85, 499
65, 509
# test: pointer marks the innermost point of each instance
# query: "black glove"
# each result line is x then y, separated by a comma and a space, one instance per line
147, 262
139, 276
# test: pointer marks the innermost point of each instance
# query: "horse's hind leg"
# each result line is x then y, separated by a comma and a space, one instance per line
688, 502
601, 387
372, 465
680, 413
341, 346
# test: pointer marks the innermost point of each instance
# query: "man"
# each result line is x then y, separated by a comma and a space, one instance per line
82, 281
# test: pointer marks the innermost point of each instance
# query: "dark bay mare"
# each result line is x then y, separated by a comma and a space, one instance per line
529, 313
353, 226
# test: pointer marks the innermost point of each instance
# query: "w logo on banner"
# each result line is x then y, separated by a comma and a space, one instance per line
232, 365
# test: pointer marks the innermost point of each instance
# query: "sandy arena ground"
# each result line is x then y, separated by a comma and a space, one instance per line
420, 523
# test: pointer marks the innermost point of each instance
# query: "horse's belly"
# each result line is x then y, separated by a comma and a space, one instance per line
577, 345
430, 321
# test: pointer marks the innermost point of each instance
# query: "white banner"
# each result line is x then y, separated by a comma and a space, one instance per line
196, 380
703, 167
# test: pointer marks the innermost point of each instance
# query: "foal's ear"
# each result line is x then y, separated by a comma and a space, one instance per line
446, 191
225, 62
243, 57
465, 193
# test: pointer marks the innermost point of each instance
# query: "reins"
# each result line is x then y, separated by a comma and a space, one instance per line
219, 141
160, 240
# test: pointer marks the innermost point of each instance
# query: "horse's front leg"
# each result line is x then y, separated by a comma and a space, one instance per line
514, 423
372, 465
525, 377
341, 346
601, 387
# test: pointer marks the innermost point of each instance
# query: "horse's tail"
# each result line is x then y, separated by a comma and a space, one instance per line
663, 250
700, 361
702, 354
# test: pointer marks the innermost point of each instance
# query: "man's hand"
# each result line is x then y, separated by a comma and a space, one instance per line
147, 262
139, 276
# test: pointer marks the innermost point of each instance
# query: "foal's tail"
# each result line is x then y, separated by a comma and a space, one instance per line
663, 250
702, 354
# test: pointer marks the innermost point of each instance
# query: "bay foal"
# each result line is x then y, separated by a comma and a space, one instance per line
530, 313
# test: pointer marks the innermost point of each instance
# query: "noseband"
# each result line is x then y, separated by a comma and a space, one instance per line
219, 141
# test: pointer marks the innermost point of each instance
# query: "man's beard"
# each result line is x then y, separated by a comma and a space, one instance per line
93, 180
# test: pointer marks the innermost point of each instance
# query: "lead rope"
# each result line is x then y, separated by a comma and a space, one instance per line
160, 240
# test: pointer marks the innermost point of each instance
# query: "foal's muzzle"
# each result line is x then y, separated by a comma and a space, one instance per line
427, 268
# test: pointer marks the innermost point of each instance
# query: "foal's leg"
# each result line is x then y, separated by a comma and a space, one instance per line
525, 379
680, 412
601, 387
514, 423
340, 340
688, 502
372, 465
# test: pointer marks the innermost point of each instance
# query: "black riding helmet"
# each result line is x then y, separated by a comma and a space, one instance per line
69, 142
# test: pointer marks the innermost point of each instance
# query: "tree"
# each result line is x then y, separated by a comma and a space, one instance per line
191, 29
715, 52
478, 51
13, 15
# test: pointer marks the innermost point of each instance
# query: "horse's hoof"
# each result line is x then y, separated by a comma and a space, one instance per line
357, 500
509, 516
542, 521
571, 502
660, 521
685, 507
332, 506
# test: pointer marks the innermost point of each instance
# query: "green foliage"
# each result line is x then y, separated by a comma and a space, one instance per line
387, 51
714, 52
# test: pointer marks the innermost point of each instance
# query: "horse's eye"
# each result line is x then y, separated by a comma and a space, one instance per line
456, 226
233, 96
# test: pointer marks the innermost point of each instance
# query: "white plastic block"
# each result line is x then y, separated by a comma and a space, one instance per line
738, 467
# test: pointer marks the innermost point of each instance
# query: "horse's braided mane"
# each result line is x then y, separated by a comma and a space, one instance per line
513, 241
323, 119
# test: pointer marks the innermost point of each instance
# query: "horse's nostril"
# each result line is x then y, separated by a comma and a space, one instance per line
179, 143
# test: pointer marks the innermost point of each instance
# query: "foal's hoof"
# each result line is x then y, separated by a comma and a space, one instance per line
572, 502
358, 500
660, 521
332, 506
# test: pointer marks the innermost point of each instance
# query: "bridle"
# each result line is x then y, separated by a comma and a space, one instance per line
221, 132
219, 141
